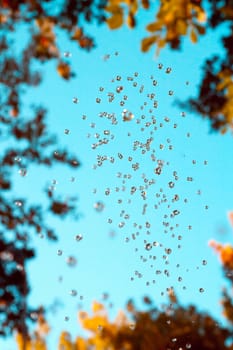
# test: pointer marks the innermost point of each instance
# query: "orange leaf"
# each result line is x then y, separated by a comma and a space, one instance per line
148, 42
77, 35
181, 27
63, 70
96, 307
193, 36
153, 27
116, 21
131, 20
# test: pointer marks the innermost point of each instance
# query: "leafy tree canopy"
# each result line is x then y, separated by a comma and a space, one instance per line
30, 141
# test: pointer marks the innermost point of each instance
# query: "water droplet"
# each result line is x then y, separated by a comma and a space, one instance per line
22, 172
148, 246
168, 250
67, 54
19, 267
158, 170
71, 261
127, 115
73, 293
171, 184
59, 252
66, 131
132, 326
201, 290
34, 316
6, 256
119, 89
100, 327
17, 159
99, 206
75, 100
79, 237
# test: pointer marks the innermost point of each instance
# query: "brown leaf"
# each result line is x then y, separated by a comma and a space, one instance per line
145, 4
116, 21
131, 20
153, 27
193, 36
148, 42
63, 70
181, 27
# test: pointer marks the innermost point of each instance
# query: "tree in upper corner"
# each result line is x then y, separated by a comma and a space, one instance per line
175, 20
26, 140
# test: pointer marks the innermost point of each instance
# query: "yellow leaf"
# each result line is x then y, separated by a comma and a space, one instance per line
92, 324
201, 16
65, 341
148, 42
161, 43
181, 27
21, 342
96, 307
115, 2
153, 27
169, 17
81, 344
113, 8
193, 36
133, 5
116, 21
223, 84
131, 20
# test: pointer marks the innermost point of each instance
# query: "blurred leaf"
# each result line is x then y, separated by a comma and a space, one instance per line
193, 36
116, 20
148, 42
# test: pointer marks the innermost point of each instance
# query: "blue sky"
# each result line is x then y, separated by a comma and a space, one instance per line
105, 263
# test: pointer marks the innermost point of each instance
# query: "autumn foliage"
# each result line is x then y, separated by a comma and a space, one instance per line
42, 20
173, 21
174, 327
170, 327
